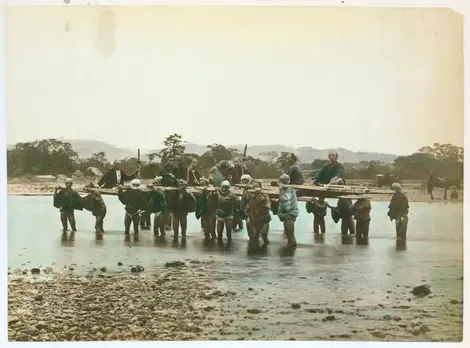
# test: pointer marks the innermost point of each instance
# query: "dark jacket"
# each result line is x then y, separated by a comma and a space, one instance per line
67, 201
96, 206
226, 204
361, 209
295, 174
398, 206
157, 202
133, 200
206, 204
183, 202
193, 175
330, 171
109, 180
237, 173
316, 207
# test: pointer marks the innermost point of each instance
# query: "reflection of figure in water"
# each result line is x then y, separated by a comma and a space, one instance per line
258, 216
398, 211
67, 200
157, 206
400, 245
318, 208
226, 204
361, 210
132, 200
288, 210
206, 208
67, 241
184, 203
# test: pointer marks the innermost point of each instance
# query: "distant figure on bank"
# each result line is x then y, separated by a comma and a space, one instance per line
296, 177
133, 200
361, 210
67, 200
184, 203
226, 204
318, 208
258, 216
332, 173
288, 210
398, 211
193, 174
115, 177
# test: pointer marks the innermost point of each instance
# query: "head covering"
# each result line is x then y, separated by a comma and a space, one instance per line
149, 185
257, 181
333, 153
68, 181
135, 184
246, 177
117, 162
225, 183
284, 178
157, 181
181, 182
204, 181
396, 186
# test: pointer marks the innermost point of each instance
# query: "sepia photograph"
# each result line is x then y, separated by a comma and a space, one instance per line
229, 173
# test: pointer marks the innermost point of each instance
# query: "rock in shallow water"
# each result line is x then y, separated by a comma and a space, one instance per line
421, 290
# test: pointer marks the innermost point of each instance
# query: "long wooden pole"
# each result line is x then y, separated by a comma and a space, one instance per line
138, 163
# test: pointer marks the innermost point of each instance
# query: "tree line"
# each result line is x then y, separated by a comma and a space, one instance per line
52, 157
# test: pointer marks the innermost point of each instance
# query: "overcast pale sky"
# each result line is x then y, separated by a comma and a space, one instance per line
388, 80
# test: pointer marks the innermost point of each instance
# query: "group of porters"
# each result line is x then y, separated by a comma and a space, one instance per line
171, 199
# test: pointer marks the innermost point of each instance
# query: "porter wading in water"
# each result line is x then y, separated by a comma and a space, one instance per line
343, 208
398, 211
226, 204
67, 200
288, 210
183, 203
258, 216
132, 199
115, 177
332, 173
246, 196
169, 178
294, 172
98, 210
157, 206
318, 208
206, 208
239, 170
361, 210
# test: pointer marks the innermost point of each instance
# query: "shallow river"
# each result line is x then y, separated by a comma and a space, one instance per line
369, 282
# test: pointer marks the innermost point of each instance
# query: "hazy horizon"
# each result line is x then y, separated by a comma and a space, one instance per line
382, 80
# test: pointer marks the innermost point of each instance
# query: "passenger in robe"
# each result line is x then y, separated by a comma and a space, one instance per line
398, 211
184, 203
226, 204
67, 200
296, 177
257, 215
157, 206
288, 210
222, 171
134, 201
206, 208
332, 173
193, 174
361, 210
94, 203
318, 208
115, 177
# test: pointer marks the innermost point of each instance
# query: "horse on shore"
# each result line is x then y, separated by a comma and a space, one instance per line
442, 182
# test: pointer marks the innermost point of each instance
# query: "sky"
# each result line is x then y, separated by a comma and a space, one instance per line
365, 79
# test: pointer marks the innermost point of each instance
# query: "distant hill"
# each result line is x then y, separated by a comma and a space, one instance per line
307, 154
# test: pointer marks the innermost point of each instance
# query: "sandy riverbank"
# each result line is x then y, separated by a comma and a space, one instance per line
30, 188
191, 302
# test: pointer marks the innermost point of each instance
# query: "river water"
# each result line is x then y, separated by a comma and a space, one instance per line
362, 284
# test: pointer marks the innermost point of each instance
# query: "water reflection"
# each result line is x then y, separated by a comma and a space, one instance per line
400, 245
362, 241
346, 239
67, 240
319, 238
99, 239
